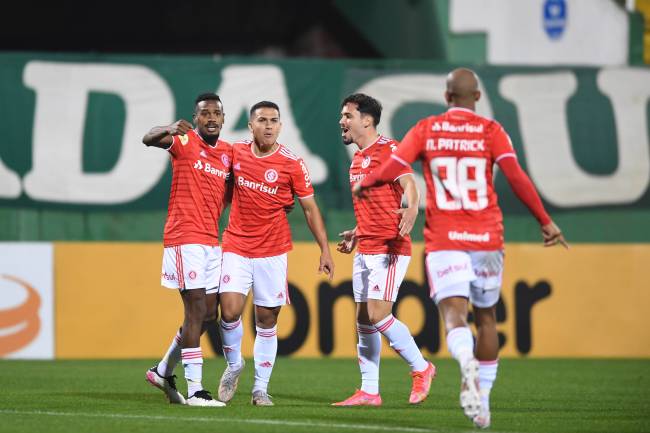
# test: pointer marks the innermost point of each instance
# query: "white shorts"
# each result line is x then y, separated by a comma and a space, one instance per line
378, 276
266, 275
191, 266
475, 275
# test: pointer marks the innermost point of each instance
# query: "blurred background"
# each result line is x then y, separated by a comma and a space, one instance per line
83, 202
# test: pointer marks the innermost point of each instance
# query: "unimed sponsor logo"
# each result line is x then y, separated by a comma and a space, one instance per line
470, 237
19, 321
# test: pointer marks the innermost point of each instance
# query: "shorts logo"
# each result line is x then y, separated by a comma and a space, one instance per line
376, 288
226, 278
265, 364
271, 175
225, 160
366, 162
280, 296
192, 275
168, 277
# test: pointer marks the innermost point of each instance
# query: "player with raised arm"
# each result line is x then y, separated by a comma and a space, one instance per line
267, 176
201, 165
464, 226
383, 253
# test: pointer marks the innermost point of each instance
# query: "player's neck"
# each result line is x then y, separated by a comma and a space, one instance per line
465, 105
367, 139
260, 149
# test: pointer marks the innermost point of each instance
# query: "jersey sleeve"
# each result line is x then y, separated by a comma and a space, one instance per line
178, 145
412, 144
501, 145
300, 179
404, 169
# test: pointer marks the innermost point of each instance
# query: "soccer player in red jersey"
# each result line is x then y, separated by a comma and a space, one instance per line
266, 176
464, 226
201, 166
383, 253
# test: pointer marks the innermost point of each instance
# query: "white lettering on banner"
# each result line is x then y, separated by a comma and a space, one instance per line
547, 145
395, 91
241, 87
27, 301
469, 237
62, 92
259, 186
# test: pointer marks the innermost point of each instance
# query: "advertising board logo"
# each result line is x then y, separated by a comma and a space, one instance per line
19, 324
555, 18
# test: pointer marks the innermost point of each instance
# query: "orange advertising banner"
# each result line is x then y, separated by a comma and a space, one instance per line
589, 301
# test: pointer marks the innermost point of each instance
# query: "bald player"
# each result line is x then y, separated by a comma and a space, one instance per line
464, 226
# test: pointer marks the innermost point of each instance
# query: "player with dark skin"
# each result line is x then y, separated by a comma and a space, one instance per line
208, 119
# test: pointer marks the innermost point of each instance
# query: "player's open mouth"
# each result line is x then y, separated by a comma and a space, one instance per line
212, 128
344, 131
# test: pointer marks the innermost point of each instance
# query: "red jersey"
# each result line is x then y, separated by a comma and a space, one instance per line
196, 199
458, 150
377, 223
264, 189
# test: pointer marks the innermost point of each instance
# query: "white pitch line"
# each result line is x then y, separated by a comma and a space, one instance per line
225, 420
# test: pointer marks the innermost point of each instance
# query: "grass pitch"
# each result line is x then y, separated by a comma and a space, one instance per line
529, 396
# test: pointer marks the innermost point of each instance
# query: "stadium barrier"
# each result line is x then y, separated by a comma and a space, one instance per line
103, 300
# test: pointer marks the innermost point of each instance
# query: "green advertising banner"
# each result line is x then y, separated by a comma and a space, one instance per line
72, 165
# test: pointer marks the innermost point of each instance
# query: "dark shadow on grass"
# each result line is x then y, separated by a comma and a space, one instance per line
116, 396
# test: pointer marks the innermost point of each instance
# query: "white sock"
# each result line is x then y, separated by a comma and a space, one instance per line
193, 364
231, 336
461, 344
265, 350
487, 374
402, 342
369, 350
167, 365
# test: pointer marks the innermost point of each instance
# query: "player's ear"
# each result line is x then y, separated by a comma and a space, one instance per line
250, 126
477, 95
448, 97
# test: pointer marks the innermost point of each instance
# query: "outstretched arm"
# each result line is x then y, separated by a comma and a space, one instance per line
526, 192
317, 227
162, 136
409, 213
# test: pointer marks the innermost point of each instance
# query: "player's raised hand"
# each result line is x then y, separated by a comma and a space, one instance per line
326, 265
348, 243
553, 235
180, 127
407, 220
358, 191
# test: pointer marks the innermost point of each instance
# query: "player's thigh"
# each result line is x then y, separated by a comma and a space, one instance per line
450, 274
488, 268
386, 273
270, 286
236, 275
186, 266
360, 278
214, 260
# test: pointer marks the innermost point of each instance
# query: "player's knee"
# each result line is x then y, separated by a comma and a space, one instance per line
229, 316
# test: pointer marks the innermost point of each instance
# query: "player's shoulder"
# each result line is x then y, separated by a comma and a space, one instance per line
490, 126
240, 145
287, 153
386, 141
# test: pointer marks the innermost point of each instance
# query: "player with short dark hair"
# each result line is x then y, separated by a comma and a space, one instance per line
464, 226
201, 165
383, 253
267, 177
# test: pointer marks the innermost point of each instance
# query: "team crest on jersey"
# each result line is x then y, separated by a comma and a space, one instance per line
366, 162
184, 139
192, 275
225, 160
271, 175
